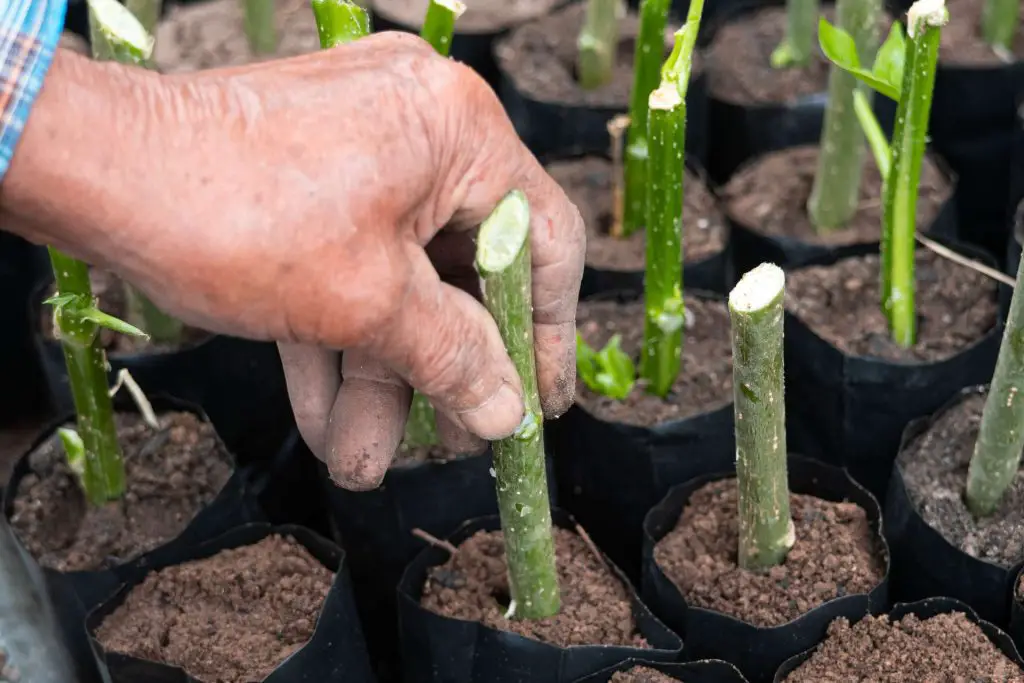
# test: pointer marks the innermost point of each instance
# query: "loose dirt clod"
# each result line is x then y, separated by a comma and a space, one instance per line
956, 307
171, 475
836, 554
641, 674
705, 382
473, 585
934, 467
588, 183
944, 648
231, 618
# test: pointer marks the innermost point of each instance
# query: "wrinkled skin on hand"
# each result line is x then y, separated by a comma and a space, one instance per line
325, 202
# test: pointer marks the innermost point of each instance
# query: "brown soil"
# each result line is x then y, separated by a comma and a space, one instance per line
739, 66
961, 40
641, 674
540, 59
588, 182
956, 306
934, 470
109, 291
596, 610
947, 648
483, 16
770, 195
836, 554
705, 383
231, 618
171, 475
211, 34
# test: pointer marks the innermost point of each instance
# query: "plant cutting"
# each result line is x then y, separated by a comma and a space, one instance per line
598, 43
260, 26
905, 73
795, 48
727, 558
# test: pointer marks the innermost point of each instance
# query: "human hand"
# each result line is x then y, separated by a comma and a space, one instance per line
303, 200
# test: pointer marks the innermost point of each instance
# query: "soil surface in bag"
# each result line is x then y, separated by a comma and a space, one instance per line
703, 385
112, 299
211, 34
171, 474
539, 59
596, 609
738, 59
840, 303
962, 43
588, 183
769, 195
483, 16
641, 674
836, 554
945, 647
230, 618
934, 468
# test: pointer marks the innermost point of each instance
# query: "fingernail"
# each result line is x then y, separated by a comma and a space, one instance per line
498, 417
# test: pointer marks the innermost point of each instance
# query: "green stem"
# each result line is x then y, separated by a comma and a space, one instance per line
1000, 442
836, 190
663, 278
924, 22
647, 57
801, 28
421, 427
103, 478
756, 309
147, 12
597, 44
439, 25
999, 22
261, 26
503, 261
339, 22
119, 34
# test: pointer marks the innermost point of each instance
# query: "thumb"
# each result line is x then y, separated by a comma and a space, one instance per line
446, 345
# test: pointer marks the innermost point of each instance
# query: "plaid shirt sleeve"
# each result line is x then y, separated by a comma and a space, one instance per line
29, 32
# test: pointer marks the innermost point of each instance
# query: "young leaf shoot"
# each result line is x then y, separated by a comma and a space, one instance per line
503, 262
609, 372
766, 531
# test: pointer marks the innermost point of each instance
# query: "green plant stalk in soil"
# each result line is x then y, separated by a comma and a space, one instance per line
997, 451
899, 218
766, 530
118, 35
503, 262
663, 280
646, 77
597, 44
261, 25
999, 23
795, 48
836, 189
439, 24
339, 22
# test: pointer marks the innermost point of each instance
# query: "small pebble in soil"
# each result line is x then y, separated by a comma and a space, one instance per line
934, 467
641, 674
946, 648
836, 553
171, 474
231, 618
703, 385
596, 609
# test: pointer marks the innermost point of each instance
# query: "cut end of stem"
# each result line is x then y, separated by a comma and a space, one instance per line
117, 24
456, 7
503, 234
924, 14
757, 289
665, 97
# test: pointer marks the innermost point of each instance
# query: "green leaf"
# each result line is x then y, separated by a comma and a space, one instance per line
93, 314
609, 372
586, 362
840, 49
74, 449
61, 300
890, 58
